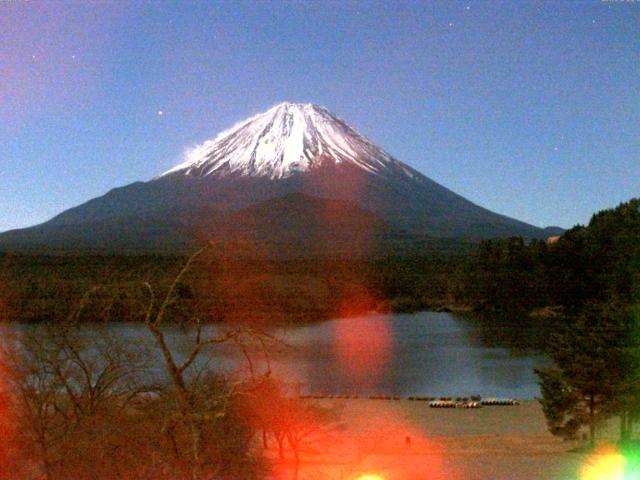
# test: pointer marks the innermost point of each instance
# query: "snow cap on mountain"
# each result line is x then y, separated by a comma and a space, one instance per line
286, 139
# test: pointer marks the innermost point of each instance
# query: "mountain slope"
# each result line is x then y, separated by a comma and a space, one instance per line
286, 227
290, 149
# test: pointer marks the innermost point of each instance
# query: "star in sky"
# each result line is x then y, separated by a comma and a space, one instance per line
442, 74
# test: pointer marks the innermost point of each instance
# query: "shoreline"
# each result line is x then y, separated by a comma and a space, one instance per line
407, 439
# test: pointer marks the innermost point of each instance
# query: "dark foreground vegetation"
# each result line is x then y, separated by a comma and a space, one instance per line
579, 298
595, 263
515, 279
596, 348
92, 406
235, 282
74, 407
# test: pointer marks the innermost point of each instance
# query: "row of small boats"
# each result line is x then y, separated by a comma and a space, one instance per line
474, 401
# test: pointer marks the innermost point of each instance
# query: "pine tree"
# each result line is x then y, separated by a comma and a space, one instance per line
592, 378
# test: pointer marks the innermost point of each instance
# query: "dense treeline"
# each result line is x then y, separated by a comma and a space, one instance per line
594, 263
583, 290
599, 262
83, 404
42, 288
39, 288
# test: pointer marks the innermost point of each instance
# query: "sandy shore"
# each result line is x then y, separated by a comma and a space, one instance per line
490, 443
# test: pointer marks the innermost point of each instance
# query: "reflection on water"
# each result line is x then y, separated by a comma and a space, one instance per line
433, 354
425, 354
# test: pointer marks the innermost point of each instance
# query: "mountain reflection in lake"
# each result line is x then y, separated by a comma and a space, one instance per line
426, 354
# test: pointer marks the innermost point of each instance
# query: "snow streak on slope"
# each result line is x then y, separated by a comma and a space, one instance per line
286, 139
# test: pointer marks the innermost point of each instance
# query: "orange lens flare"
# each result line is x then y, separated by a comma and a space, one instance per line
4, 395
370, 477
6, 424
363, 355
608, 464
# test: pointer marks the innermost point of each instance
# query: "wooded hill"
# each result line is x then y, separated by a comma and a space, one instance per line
594, 263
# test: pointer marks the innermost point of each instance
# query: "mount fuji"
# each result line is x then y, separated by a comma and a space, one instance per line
295, 175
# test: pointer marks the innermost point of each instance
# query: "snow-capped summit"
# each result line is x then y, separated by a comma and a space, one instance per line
284, 140
296, 177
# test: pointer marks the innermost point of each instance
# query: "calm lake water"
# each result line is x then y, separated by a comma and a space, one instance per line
425, 354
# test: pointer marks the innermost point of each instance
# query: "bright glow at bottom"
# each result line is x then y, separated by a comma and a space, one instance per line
609, 466
370, 477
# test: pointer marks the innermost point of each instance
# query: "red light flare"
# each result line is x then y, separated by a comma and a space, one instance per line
7, 421
9, 428
4, 427
363, 355
362, 349
342, 226
384, 432
371, 441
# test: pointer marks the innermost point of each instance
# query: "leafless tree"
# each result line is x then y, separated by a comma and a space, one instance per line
198, 408
67, 388
89, 404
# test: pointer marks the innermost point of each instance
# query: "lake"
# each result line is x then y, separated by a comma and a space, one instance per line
420, 354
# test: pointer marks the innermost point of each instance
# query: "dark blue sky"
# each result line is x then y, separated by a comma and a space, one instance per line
531, 109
